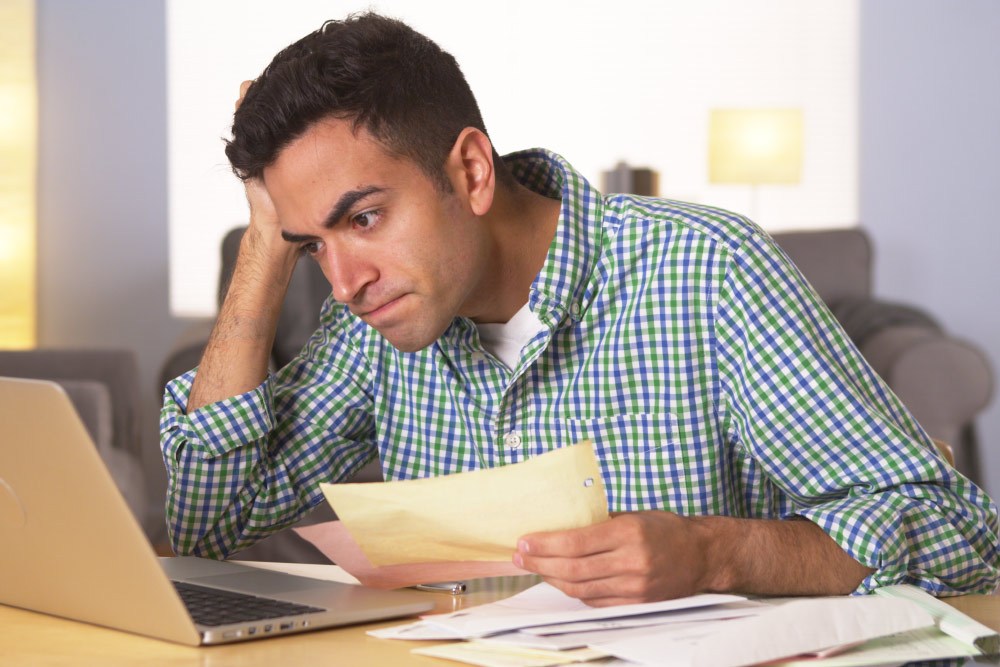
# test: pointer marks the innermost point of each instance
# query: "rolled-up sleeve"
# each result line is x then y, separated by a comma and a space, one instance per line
826, 430
241, 468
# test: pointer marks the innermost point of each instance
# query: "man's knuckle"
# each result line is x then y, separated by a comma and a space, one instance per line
643, 589
575, 543
576, 569
645, 560
632, 527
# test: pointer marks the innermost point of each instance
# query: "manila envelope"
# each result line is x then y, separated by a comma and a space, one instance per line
477, 515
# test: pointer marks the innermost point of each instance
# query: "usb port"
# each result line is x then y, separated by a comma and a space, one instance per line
287, 626
268, 628
252, 631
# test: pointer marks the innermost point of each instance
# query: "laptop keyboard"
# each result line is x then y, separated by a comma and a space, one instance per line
211, 606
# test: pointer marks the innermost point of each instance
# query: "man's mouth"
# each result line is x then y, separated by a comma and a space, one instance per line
380, 309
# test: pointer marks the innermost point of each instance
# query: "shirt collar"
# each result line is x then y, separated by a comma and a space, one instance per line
564, 287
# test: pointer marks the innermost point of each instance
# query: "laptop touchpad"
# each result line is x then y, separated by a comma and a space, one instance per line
261, 583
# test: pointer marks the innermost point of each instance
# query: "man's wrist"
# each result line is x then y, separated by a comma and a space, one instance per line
720, 540
790, 556
268, 251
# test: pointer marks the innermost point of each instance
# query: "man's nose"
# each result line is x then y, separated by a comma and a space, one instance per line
348, 274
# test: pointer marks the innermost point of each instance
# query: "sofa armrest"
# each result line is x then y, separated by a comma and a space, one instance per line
945, 382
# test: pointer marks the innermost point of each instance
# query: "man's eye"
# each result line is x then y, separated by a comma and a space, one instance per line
312, 248
366, 220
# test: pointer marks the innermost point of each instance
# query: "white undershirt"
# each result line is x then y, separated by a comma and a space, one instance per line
505, 340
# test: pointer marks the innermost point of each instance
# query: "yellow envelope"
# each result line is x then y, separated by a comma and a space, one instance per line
474, 515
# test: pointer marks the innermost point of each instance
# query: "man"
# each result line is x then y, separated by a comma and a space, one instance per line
486, 310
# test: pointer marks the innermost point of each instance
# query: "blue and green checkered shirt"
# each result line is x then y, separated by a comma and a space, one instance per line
679, 338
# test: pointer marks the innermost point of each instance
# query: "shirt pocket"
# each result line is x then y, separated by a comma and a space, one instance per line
638, 454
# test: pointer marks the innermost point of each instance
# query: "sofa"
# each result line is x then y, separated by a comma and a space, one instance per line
944, 381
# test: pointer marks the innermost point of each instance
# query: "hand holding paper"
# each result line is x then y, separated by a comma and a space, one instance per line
635, 557
473, 516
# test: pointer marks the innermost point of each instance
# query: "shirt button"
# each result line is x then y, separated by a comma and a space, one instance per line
476, 357
512, 440
575, 310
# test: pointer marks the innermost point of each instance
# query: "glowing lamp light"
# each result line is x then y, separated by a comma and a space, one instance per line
755, 147
18, 163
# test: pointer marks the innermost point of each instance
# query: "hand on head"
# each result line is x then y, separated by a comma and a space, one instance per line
262, 213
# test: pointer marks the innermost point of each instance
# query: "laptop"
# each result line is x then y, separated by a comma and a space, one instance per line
72, 548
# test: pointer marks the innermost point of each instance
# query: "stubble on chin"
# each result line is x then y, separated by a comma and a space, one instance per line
414, 336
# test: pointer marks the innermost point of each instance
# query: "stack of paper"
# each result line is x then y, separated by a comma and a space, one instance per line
542, 626
473, 520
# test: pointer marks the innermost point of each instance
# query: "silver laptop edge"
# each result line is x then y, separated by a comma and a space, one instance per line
72, 547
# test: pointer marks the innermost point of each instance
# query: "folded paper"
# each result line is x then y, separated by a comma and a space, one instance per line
472, 516
337, 544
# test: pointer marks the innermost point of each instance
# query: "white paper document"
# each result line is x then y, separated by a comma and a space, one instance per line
789, 629
476, 653
546, 605
900, 625
914, 646
716, 612
951, 621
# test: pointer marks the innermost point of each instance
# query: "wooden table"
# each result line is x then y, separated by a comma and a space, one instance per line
28, 638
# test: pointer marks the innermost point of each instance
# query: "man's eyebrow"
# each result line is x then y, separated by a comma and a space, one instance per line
340, 209
346, 201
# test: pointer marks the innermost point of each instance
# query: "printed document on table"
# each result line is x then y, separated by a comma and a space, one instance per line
484, 655
950, 620
914, 646
476, 515
716, 612
789, 629
544, 604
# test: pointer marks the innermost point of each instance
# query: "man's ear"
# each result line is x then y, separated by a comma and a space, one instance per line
470, 168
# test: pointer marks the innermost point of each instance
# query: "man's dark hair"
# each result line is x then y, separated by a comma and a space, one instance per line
375, 71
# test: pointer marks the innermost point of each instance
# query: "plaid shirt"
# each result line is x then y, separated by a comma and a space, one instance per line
679, 338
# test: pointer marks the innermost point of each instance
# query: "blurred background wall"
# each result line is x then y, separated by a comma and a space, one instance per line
102, 188
929, 173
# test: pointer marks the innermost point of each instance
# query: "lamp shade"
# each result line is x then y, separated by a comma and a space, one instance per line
755, 146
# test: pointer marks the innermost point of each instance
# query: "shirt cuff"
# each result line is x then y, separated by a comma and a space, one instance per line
217, 428
873, 530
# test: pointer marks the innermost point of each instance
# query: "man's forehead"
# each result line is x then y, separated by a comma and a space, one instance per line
334, 149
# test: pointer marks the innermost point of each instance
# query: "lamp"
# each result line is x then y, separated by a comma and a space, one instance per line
755, 147
18, 162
